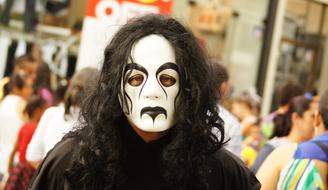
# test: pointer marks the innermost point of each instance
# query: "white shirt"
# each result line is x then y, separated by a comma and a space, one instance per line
10, 123
232, 131
51, 129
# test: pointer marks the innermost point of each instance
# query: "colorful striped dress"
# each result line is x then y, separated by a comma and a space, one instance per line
301, 172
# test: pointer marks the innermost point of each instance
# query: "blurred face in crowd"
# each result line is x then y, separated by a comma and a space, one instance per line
225, 90
305, 124
152, 85
27, 89
39, 111
240, 109
29, 68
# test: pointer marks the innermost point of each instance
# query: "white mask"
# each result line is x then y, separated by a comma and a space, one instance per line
152, 87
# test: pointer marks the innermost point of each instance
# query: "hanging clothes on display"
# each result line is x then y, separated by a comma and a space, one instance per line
5, 14
29, 16
21, 48
57, 6
4, 45
15, 50
48, 51
11, 58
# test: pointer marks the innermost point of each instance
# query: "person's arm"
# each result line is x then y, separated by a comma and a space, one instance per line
323, 170
269, 172
34, 164
261, 156
12, 155
35, 149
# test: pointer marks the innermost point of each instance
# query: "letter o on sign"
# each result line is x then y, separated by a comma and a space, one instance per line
109, 10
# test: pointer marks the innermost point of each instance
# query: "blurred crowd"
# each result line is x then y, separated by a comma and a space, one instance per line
285, 149
288, 148
36, 111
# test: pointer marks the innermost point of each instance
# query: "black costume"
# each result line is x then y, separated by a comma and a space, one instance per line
142, 166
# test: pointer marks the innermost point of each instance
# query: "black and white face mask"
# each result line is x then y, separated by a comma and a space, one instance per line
152, 86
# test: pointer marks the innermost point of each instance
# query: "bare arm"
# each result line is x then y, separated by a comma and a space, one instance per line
269, 172
12, 155
323, 170
34, 164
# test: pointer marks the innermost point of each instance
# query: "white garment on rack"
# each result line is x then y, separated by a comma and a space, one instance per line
63, 66
48, 51
21, 48
4, 45
19, 6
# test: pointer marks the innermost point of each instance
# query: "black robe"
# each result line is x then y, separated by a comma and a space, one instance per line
142, 167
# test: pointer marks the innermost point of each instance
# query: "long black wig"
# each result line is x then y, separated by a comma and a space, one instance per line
99, 158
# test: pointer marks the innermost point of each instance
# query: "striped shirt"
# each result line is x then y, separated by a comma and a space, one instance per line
301, 173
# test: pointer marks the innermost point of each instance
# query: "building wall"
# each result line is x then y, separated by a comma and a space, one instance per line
244, 43
240, 46
323, 82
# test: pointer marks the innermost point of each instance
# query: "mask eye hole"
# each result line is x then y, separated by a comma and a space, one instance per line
167, 80
136, 80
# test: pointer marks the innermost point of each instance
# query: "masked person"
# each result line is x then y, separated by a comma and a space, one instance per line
148, 124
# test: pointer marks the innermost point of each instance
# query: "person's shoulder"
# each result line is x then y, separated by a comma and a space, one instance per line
52, 110
63, 148
228, 162
285, 149
233, 171
62, 153
51, 172
311, 150
224, 156
50, 113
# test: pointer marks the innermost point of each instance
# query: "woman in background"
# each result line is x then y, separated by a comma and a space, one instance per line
11, 115
296, 127
21, 174
59, 120
42, 83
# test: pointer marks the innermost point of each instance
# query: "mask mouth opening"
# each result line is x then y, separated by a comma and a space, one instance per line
153, 112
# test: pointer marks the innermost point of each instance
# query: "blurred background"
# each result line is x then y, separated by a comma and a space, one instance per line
262, 44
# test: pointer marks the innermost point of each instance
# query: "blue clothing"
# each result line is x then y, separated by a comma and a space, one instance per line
312, 150
301, 173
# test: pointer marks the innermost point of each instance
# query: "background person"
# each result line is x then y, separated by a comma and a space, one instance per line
231, 123
11, 115
297, 124
59, 120
21, 173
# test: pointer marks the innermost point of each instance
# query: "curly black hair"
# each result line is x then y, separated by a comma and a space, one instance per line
98, 162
